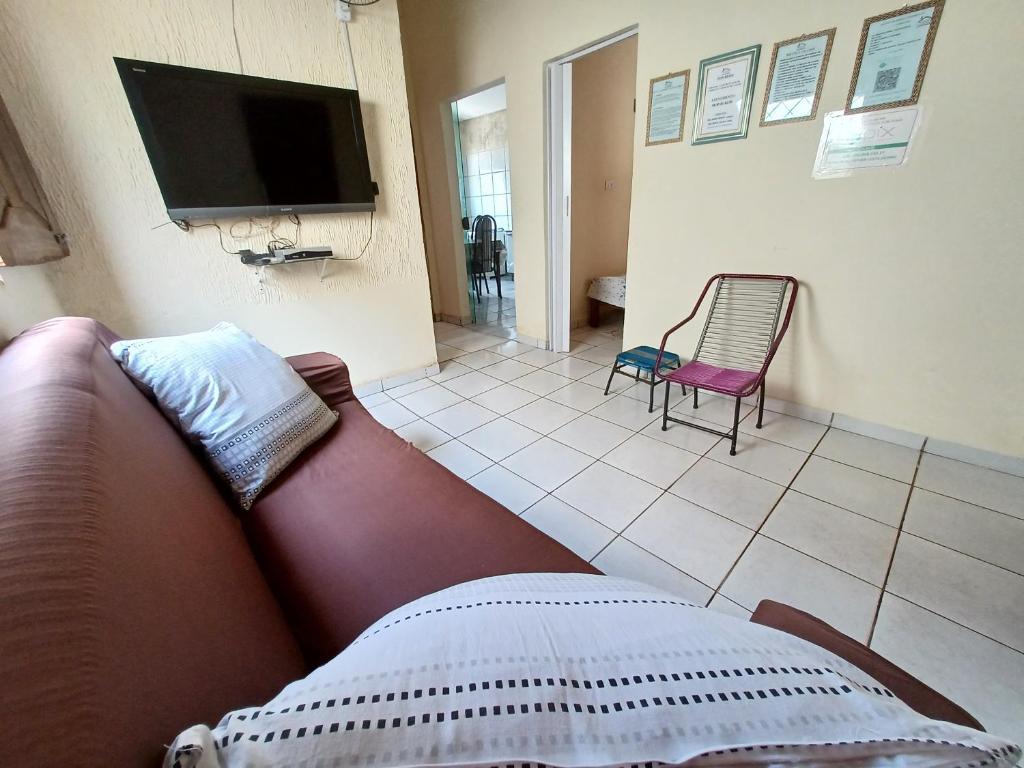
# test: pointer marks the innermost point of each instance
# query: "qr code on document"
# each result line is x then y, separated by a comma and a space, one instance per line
886, 79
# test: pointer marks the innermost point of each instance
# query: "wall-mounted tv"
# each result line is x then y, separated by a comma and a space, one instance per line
233, 145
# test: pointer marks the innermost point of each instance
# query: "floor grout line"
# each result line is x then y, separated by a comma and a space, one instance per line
831, 419
664, 491
965, 554
613, 395
622, 392
969, 503
895, 546
766, 518
695, 584
954, 622
847, 509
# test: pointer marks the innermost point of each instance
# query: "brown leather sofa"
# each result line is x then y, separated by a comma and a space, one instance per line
135, 600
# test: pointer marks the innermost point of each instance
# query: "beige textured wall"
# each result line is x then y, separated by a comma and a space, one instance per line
63, 92
484, 132
602, 151
26, 297
910, 312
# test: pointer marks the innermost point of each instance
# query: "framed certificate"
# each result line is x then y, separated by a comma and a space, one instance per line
892, 57
725, 88
666, 105
795, 77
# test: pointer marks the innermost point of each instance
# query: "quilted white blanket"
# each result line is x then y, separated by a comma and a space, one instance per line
610, 290
575, 670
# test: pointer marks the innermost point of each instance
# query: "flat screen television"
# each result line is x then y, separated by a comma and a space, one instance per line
233, 145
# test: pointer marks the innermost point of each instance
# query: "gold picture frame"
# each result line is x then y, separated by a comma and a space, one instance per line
922, 65
831, 34
685, 73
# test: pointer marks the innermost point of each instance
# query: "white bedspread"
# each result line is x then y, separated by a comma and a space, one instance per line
575, 670
610, 290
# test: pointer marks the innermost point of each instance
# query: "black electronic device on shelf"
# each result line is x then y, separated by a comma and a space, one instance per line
286, 255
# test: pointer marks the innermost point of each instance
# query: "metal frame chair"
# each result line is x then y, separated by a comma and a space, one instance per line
741, 336
641, 359
485, 233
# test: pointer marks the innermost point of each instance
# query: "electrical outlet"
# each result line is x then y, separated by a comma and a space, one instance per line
343, 11
609, 185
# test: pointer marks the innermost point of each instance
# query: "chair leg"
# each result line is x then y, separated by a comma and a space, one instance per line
650, 407
610, 377
694, 397
760, 406
684, 389
735, 428
664, 414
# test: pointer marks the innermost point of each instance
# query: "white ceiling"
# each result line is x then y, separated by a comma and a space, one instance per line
483, 103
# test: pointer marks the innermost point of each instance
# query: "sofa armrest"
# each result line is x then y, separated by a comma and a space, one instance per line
906, 687
326, 374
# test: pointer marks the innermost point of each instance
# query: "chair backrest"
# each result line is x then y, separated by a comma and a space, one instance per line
741, 325
484, 231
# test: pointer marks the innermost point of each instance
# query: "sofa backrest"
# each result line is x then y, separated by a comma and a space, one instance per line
130, 604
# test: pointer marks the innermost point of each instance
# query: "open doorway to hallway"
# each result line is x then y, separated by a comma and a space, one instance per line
485, 193
603, 114
590, 115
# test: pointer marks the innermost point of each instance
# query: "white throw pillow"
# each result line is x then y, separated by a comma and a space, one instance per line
579, 670
251, 412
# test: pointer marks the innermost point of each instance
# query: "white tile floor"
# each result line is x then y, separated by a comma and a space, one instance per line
918, 555
497, 316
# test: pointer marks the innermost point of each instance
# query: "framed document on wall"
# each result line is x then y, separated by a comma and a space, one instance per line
666, 105
725, 87
892, 57
795, 77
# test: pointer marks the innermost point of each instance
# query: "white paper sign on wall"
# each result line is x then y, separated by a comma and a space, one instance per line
852, 143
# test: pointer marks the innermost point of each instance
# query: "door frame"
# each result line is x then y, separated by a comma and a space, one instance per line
558, 189
467, 310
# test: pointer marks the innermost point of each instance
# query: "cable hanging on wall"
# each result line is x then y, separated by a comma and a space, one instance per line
249, 234
366, 245
234, 33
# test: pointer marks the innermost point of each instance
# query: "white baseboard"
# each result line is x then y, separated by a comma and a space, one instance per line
532, 342
1012, 465
369, 388
381, 385
453, 319
797, 410
878, 431
800, 411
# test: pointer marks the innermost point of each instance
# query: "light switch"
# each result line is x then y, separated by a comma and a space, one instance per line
609, 185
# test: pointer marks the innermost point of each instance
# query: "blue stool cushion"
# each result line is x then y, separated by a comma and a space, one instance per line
644, 358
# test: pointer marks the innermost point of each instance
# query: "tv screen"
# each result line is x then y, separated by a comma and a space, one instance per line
234, 145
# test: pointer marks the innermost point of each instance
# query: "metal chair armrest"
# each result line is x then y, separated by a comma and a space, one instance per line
677, 326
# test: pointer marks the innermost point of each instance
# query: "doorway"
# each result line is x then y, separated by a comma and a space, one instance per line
480, 137
590, 119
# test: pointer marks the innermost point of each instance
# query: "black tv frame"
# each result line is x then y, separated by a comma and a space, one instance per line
125, 69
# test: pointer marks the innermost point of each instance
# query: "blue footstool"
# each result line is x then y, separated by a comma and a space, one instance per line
642, 359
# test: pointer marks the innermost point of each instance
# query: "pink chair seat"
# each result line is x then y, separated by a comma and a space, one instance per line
728, 381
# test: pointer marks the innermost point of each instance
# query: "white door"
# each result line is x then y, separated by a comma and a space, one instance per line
560, 197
